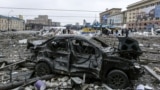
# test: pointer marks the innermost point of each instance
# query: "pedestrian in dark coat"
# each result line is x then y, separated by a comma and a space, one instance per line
116, 32
127, 32
122, 32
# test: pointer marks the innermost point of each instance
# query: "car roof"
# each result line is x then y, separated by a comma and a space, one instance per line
72, 36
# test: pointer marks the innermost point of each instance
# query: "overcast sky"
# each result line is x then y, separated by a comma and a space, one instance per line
62, 16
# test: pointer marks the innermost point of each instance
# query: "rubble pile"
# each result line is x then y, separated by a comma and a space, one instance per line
63, 83
155, 66
148, 79
12, 49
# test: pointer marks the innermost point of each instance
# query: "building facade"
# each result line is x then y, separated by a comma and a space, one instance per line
41, 19
104, 15
11, 23
117, 19
56, 24
143, 15
39, 22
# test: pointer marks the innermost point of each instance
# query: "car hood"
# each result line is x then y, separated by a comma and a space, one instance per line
38, 42
35, 43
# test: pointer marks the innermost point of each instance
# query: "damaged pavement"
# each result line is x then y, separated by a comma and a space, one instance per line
72, 60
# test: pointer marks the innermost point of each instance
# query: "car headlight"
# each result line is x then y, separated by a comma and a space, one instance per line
136, 65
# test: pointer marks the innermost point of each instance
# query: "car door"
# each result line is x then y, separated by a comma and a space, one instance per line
85, 58
61, 54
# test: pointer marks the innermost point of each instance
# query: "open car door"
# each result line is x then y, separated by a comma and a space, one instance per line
61, 54
85, 58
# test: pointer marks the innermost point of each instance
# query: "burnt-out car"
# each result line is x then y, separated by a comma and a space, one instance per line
77, 55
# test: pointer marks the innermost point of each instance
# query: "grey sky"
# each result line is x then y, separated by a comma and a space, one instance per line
91, 5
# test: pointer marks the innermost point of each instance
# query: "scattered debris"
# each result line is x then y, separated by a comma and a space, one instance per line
24, 41
157, 70
153, 73
13, 70
40, 85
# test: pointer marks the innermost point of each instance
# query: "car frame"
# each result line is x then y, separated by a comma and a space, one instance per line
115, 67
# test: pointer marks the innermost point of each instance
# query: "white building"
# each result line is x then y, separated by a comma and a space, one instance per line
10, 23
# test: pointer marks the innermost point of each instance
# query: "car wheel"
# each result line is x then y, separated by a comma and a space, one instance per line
117, 79
42, 69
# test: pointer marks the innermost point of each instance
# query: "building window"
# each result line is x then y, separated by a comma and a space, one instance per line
157, 3
145, 24
157, 18
156, 23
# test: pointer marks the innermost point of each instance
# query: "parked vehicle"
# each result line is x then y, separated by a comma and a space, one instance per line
157, 32
90, 32
76, 55
3, 30
13, 30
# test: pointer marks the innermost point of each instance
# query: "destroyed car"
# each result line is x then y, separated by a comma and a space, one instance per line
77, 55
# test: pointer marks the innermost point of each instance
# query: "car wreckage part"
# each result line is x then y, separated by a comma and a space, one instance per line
117, 79
129, 48
42, 69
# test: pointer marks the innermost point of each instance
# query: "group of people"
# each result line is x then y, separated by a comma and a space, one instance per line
66, 31
122, 32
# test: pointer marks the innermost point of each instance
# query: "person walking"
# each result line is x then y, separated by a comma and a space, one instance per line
68, 31
122, 32
127, 32
116, 32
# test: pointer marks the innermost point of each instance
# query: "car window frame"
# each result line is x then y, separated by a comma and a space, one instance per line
55, 39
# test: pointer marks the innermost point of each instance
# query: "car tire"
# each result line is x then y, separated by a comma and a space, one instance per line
117, 79
42, 69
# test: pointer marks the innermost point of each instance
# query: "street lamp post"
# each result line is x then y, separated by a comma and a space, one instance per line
8, 18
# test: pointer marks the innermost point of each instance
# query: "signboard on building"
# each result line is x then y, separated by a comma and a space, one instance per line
104, 18
145, 13
149, 12
157, 11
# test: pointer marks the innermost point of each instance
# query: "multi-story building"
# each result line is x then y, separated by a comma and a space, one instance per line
39, 22
11, 23
104, 15
56, 24
143, 15
117, 19
114, 17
